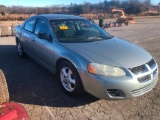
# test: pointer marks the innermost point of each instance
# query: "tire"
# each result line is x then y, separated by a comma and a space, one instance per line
70, 79
4, 94
126, 23
20, 50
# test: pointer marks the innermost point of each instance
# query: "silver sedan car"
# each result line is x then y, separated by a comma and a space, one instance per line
87, 58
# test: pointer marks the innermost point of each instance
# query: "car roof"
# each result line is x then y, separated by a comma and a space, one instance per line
60, 16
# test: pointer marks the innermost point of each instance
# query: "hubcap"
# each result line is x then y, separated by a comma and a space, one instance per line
19, 49
67, 79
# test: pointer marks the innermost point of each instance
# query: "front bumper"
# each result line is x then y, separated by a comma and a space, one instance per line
128, 86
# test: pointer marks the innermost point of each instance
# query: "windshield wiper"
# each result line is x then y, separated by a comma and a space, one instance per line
107, 37
81, 39
94, 37
75, 37
101, 37
78, 39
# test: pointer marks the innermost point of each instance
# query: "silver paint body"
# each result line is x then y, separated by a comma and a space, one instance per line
114, 52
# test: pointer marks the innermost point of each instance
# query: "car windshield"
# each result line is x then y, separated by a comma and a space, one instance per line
78, 30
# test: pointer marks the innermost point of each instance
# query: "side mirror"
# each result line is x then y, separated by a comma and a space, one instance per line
45, 36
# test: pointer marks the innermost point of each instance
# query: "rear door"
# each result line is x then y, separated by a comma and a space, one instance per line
43, 49
27, 35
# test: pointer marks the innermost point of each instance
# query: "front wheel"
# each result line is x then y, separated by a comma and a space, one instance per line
70, 78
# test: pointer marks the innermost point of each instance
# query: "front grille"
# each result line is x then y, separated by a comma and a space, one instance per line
155, 73
139, 69
151, 63
143, 90
145, 72
144, 78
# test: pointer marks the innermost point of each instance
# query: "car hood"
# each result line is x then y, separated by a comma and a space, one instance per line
114, 51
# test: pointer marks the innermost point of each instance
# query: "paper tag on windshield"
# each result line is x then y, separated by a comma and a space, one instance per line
63, 27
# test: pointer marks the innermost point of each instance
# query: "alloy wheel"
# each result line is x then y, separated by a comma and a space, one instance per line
67, 79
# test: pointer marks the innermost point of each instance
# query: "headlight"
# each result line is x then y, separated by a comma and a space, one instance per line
107, 70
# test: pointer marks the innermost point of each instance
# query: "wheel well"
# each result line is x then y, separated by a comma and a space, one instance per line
59, 61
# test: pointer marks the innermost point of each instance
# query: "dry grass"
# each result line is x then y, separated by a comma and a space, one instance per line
9, 23
14, 17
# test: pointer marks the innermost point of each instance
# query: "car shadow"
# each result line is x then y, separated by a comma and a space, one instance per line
30, 83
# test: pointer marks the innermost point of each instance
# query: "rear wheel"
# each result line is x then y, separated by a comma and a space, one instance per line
70, 78
20, 50
4, 95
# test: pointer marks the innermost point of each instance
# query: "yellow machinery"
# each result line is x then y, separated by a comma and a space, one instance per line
122, 18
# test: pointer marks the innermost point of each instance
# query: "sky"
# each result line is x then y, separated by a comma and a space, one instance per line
42, 3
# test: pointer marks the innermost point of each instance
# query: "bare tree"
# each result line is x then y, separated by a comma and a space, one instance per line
86, 7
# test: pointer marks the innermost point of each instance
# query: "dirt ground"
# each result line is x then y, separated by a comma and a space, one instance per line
43, 98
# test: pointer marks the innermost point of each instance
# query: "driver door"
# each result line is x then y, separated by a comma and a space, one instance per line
42, 48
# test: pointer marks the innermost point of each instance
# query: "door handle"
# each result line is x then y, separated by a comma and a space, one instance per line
32, 38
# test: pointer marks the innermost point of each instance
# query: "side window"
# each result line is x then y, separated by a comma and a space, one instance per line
42, 27
30, 24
